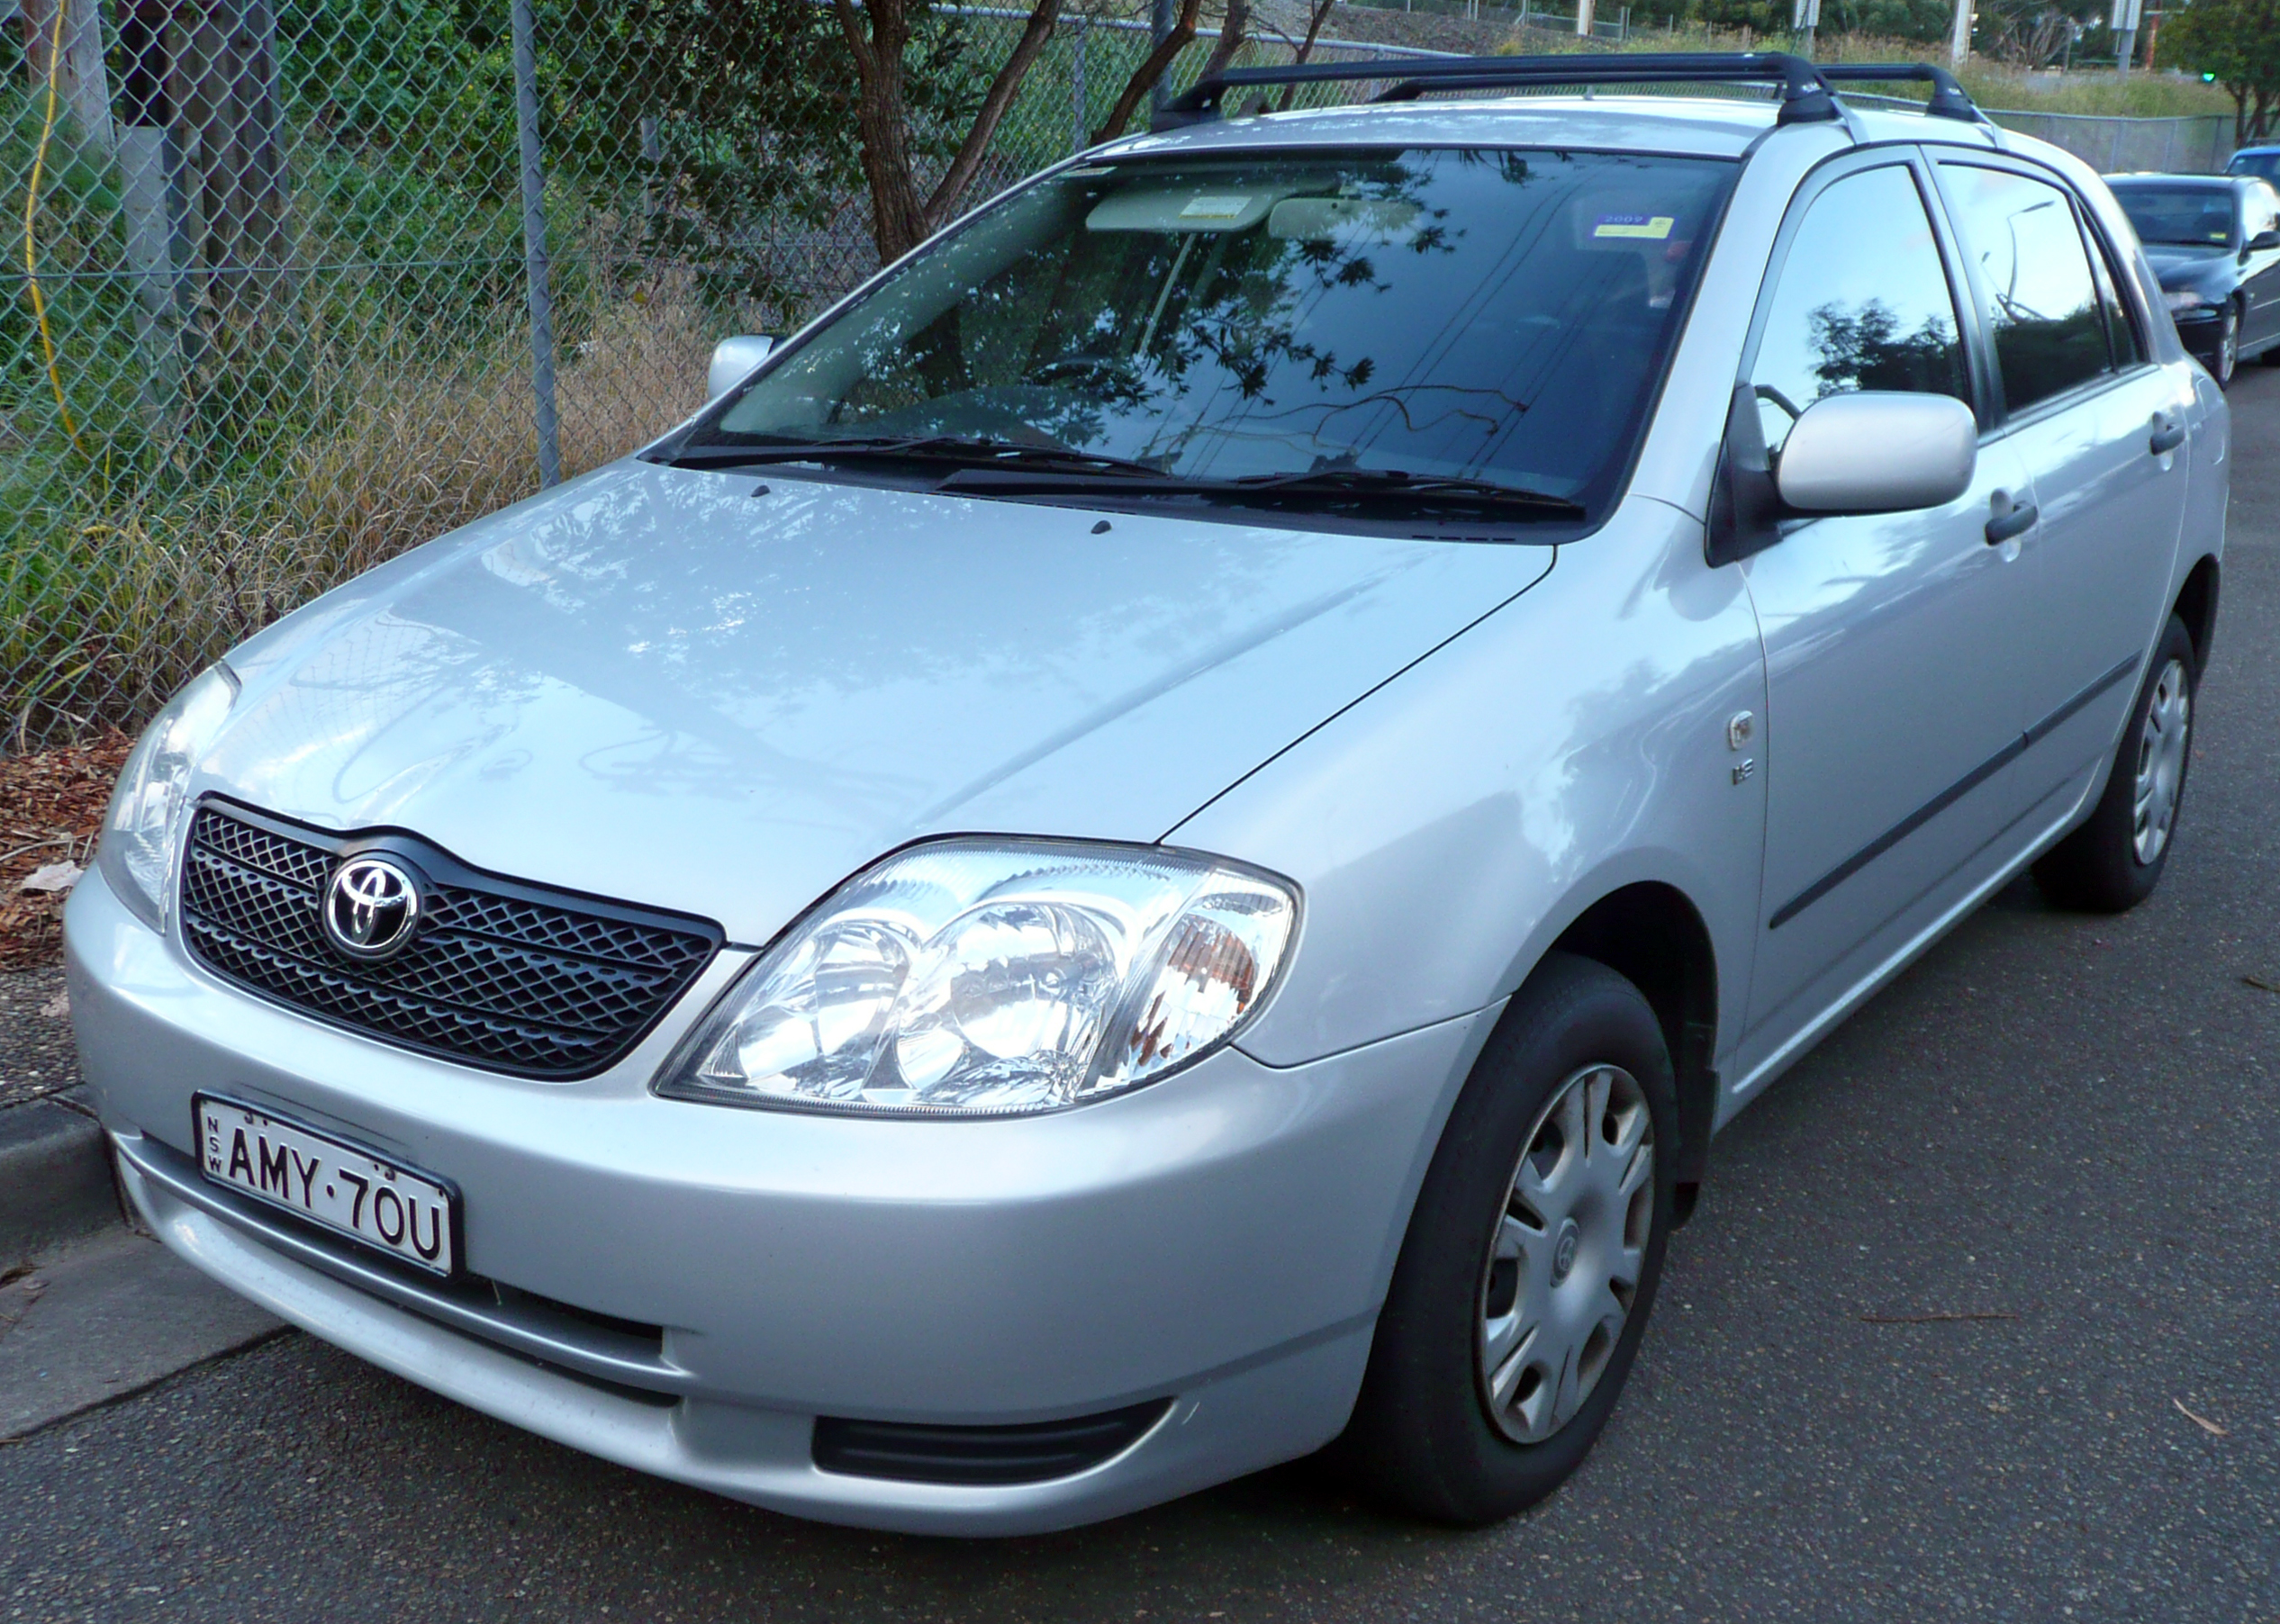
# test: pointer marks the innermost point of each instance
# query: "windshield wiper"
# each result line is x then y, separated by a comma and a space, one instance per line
1356, 487
972, 451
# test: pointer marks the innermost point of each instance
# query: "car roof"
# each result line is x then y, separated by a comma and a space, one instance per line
1704, 126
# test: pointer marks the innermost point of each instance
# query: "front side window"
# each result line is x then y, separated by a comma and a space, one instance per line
1861, 302
2262, 213
2042, 305
1496, 316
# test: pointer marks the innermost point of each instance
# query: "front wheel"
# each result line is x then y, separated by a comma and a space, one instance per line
2228, 346
2115, 859
1530, 1265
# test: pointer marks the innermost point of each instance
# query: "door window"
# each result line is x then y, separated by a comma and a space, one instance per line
2121, 332
1861, 302
2042, 304
2263, 213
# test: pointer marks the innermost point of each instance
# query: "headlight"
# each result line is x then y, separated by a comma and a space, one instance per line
2183, 298
992, 978
142, 832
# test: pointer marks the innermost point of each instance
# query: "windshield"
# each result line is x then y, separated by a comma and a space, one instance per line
1450, 314
2197, 216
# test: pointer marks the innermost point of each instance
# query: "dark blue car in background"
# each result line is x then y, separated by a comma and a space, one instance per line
2215, 241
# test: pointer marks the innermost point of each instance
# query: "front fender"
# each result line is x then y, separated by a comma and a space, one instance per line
1447, 828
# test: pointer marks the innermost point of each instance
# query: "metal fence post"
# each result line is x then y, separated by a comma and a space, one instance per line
1076, 87
534, 246
1160, 16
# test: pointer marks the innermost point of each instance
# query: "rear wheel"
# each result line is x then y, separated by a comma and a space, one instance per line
1531, 1262
2115, 859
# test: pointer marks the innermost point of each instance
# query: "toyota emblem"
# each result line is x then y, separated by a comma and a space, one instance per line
371, 908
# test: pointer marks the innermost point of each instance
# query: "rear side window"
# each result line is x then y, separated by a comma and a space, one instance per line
2042, 303
1861, 302
2121, 332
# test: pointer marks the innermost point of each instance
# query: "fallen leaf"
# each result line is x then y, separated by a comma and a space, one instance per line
58, 1008
54, 878
2201, 1421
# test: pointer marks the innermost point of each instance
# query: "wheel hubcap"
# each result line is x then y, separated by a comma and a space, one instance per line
1567, 1253
2161, 761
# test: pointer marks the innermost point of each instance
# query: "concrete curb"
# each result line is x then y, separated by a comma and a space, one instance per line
55, 1178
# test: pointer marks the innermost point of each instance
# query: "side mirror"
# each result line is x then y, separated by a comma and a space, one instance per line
1877, 453
733, 360
2263, 240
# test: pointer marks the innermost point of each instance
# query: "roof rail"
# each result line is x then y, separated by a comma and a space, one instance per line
1805, 87
1803, 97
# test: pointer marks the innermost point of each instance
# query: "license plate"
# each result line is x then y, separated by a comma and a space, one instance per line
351, 1191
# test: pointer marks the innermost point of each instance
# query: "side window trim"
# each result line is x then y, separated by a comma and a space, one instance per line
1986, 400
2003, 418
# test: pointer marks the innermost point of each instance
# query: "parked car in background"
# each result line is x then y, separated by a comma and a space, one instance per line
1161, 840
2214, 243
2262, 162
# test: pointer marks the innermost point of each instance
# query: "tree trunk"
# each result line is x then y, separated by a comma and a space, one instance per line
222, 91
1153, 67
876, 36
83, 87
1233, 30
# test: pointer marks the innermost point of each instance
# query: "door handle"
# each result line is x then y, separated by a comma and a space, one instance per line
2168, 434
2010, 517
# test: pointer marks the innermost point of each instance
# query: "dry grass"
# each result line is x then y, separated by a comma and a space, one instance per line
1991, 83
146, 595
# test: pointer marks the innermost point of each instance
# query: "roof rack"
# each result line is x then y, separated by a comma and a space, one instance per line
1805, 86
1949, 100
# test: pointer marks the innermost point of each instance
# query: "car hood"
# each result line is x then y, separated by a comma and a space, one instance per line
694, 690
2179, 265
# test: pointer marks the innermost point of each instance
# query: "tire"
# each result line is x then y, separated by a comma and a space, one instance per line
1495, 1240
2228, 356
2115, 859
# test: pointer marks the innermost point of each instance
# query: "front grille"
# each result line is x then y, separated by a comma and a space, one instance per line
502, 975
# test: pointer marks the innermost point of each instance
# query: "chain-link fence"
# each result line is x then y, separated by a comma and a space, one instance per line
297, 283
294, 284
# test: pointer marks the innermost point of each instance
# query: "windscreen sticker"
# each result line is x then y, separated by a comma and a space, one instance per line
1652, 227
1209, 207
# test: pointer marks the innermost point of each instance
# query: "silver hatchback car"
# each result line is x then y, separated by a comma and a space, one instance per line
1161, 842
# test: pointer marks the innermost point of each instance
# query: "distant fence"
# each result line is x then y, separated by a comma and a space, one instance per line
2187, 146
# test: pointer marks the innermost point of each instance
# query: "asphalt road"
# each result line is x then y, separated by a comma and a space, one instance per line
2067, 1123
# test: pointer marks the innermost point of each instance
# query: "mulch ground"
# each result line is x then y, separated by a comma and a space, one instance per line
51, 804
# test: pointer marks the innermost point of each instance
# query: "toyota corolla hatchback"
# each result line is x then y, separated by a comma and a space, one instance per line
1160, 842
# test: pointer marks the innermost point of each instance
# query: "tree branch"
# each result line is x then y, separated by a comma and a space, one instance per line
1152, 68
1035, 36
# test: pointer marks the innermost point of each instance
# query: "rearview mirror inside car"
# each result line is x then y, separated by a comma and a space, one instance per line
1876, 452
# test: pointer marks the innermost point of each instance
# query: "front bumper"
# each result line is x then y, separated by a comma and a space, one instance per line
2201, 329
685, 1289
